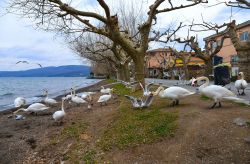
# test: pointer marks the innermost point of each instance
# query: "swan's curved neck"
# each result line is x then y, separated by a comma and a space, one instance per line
62, 105
46, 93
23, 109
205, 84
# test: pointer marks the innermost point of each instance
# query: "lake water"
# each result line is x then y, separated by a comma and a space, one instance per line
32, 88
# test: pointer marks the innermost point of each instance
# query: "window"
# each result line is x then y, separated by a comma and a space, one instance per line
155, 71
214, 45
234, 58
244, 36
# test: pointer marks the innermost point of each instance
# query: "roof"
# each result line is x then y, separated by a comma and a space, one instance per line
239, 26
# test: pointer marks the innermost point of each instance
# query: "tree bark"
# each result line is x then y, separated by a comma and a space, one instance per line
208, 67
242, 49
126, 72
139, 69
244, 60
185, 67
123, 73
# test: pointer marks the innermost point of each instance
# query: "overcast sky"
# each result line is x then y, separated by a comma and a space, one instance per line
20, 41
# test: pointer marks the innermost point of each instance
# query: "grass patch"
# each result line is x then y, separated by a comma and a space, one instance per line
74, 130
248, 124
121, 89
135, 127
118, 88
89, 156
203, 97
109, 81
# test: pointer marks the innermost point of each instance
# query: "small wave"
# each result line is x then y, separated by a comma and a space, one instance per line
7, 94
39, 96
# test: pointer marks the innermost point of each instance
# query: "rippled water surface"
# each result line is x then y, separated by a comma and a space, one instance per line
32, 87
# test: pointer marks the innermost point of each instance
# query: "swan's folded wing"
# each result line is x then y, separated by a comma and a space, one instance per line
237, 100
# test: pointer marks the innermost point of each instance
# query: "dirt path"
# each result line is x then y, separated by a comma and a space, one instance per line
203, 136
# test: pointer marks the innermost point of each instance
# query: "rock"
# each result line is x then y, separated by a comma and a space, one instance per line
240, 121
19, 117
247, 139
32, 142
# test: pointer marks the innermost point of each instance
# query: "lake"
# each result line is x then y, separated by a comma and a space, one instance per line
32, 88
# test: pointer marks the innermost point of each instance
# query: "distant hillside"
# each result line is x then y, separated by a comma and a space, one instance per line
61, 71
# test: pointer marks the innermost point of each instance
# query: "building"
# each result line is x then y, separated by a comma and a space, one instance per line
161, 63
228, 52
157, 61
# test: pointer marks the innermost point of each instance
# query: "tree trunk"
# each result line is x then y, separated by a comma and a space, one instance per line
123, 73
208, 67
119, 74
139, 69
243, 62
185, 67
126, 72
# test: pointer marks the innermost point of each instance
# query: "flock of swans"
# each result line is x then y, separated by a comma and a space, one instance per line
84, 98
174, 93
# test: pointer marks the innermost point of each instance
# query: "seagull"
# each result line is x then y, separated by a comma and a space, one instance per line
39, 65
26, 62
22, 62
139, 103
146, 91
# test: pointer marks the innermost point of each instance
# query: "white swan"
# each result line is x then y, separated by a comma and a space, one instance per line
68, 97
85, 95
104, 98
76, 99
241, 84
59, 115
89, 99
139, 103
36, 107
217, 93
174, 93
106, 90
146, 91
19, 101
48, 100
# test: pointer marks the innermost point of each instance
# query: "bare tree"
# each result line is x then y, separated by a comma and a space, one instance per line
102, 69
185, 57
207, 54
243, 4
60, 16
101, 50
242, 48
